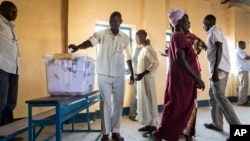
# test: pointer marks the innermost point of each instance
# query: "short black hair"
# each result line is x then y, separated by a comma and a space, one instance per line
241, 43
7, 4
116, 13
210, 18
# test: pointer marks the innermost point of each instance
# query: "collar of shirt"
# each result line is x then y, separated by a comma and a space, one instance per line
212, 28
239, 48
110, 32
6, 21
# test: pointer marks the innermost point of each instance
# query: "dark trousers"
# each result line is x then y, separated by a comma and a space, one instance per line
8, 96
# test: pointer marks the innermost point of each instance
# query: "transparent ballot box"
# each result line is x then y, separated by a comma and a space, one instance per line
69, 74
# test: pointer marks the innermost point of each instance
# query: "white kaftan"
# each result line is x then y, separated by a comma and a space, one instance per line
147, 111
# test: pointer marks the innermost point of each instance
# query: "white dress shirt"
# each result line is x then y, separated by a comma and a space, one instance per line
111, 51
215, 34
241, 63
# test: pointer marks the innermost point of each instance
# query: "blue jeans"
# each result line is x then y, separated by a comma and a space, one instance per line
8, 96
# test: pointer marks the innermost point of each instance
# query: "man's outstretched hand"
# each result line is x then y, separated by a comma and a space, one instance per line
72, 48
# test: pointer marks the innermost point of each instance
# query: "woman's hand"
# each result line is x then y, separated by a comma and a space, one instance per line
139, 76
199, 83
131, 81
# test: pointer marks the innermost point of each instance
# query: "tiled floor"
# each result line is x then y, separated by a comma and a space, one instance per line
130, 133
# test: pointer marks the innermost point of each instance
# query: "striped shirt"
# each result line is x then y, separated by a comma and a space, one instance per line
9, 52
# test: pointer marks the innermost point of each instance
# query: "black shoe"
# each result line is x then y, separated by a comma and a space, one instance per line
155, 136
211, 126
228, 139
117, 137
105, 137
151, 130
145, 128
132, 118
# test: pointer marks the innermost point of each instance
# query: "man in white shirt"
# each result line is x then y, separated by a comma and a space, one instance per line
111, 73
219, 68
243, 67
9, 54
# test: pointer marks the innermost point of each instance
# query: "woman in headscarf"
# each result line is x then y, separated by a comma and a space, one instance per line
182, 81
198, 46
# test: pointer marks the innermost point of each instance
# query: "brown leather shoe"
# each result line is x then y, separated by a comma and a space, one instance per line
117, 137
105, 137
